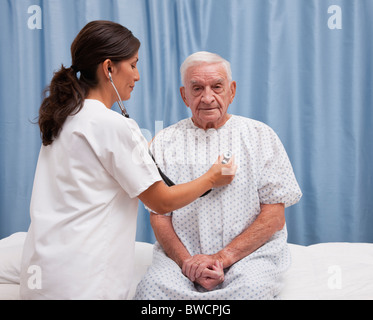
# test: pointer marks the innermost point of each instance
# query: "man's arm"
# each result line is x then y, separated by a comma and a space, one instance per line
270, 220
168, 239
175, 250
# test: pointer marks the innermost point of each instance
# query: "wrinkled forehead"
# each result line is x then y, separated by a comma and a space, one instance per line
206, 74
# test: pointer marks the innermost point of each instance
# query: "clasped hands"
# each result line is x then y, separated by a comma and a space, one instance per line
205, 270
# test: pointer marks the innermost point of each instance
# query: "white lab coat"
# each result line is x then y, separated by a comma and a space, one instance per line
80, 244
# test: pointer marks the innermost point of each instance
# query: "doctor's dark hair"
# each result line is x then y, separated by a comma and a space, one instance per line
96, 42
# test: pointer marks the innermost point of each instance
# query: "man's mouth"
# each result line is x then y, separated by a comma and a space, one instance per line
208, 109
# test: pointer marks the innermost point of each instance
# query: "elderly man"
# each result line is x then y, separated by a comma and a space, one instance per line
231, 243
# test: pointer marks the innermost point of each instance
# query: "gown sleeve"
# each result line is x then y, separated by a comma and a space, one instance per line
277, 182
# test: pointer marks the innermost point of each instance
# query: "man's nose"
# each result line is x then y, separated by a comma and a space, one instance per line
208, 96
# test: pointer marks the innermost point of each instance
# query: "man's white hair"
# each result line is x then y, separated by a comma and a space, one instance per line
202, 57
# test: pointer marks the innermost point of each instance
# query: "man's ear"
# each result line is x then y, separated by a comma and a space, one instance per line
183, 96
233, 87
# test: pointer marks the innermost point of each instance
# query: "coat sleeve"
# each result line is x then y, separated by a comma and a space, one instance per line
123, 151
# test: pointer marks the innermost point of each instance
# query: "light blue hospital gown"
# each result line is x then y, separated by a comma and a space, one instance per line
264, 175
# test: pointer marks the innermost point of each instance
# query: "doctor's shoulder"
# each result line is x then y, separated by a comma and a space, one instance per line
95, 120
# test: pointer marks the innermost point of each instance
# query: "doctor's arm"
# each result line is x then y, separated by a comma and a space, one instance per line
163, 199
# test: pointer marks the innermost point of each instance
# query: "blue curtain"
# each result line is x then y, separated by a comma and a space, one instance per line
304, 67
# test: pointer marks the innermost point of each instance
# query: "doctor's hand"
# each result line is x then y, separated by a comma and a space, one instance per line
222, 174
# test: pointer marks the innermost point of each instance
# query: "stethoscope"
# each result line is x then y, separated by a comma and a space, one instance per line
119, 101
125, 114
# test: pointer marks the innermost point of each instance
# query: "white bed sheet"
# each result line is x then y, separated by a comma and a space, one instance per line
330, 271
325, 271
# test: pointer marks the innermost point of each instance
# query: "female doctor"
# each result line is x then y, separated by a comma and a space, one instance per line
92, 169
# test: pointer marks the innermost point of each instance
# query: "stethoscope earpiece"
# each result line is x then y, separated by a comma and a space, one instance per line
119, 101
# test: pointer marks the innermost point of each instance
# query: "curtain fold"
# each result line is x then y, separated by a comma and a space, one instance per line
304, 67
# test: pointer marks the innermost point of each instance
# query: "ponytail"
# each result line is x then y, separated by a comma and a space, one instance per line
96, 42
66, 97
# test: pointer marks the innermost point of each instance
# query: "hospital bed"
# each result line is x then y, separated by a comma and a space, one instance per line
322, 271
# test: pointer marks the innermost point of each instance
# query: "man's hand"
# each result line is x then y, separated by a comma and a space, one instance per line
205, 270
211, 278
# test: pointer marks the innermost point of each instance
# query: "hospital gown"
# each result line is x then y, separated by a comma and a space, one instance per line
264, 176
